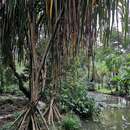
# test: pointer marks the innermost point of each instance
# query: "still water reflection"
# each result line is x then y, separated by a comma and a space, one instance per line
115, 113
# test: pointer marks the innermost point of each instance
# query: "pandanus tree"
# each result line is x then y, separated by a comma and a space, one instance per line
46, 34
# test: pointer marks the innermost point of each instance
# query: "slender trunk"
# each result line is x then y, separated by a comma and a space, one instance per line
33, 41
33, 61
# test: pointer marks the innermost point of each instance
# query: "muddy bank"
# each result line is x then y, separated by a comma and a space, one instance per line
127, 97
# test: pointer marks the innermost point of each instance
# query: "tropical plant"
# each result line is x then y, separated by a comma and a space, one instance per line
74, 92
71, 122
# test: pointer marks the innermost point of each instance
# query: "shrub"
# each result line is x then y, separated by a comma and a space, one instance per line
71, 122
78, 101
74, 93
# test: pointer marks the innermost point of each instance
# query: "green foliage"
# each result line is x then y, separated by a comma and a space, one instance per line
71, 122
127, 41
79, 102
74, 92
7, 126
121, 80
105, 90
113, 69
113, 62
7, 80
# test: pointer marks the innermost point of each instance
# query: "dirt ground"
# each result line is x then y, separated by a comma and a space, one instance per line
10, 104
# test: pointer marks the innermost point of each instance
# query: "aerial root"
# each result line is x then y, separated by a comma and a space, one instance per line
31, 113
52, 113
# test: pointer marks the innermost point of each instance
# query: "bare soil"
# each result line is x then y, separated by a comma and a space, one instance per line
9, 104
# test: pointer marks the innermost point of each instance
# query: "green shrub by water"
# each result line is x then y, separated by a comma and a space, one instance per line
74, 93
80, 103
